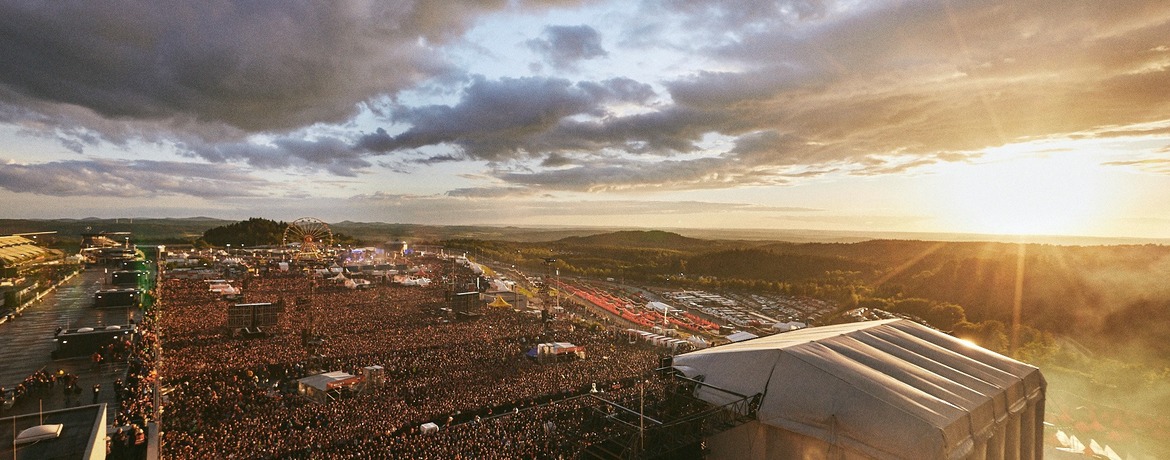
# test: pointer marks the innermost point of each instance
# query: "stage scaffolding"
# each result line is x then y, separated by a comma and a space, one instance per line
672, 425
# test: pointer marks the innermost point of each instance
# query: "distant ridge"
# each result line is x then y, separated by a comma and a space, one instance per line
374, 232
645, 239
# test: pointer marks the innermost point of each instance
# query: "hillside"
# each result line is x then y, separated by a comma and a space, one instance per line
634, 239
766, 265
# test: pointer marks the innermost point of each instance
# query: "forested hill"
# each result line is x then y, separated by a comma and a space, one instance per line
653, 239
893, 253
1118, 292
767, 265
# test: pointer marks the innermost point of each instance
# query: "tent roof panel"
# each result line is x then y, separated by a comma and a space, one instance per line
322, 381
891, 388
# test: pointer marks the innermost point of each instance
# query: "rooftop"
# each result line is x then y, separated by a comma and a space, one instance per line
15, 250
82, 427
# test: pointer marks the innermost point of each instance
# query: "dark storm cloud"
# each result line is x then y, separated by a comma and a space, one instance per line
564, 46
506, 118
258, 66
140, 178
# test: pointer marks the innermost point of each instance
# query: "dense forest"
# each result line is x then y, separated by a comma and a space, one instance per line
251, 232
259, 232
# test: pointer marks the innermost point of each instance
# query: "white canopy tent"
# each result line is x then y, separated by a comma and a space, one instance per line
657, 339
317, 387
741, 336
890, 389
323, 382
788, 326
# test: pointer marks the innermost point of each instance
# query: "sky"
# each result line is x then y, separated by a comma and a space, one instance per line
1029, 117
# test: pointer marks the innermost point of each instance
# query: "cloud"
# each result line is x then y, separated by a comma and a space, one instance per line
490, 192
628, 175
202, 78
721, 89
257, 66
506, 118
763, 93
1152, 165
336, 156
737, 14
139, 179
564, 46
556, 160
815, 86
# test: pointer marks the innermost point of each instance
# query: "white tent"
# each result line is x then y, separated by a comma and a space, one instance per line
317, 387
788, 326
698, 342
741, 336
890, 389
660, 307
323, 382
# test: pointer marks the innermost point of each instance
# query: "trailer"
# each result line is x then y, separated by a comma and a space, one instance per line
117, 298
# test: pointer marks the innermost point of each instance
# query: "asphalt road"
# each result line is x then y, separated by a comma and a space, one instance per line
27, 341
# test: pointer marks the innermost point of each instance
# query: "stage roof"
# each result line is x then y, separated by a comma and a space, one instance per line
15, 250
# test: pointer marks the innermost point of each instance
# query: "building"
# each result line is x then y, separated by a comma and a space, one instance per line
328, 386
81, 435
27, 269
397, 247
107, 248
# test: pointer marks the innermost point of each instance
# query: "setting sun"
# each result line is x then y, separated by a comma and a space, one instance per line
1011, 191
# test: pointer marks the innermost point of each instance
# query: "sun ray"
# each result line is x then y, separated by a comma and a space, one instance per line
909, 263
1018, 297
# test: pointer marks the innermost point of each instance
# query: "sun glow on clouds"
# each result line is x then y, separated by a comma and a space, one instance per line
1024, 189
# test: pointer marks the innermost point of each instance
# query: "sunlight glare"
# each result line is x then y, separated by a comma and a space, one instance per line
1015, 191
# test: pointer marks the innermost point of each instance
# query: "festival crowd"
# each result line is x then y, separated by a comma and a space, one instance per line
235, 397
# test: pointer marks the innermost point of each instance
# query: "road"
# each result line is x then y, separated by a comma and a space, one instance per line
26, 341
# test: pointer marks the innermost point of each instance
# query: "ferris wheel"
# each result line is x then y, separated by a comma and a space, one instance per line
308, 237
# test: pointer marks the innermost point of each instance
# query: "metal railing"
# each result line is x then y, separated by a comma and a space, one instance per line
662, 427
